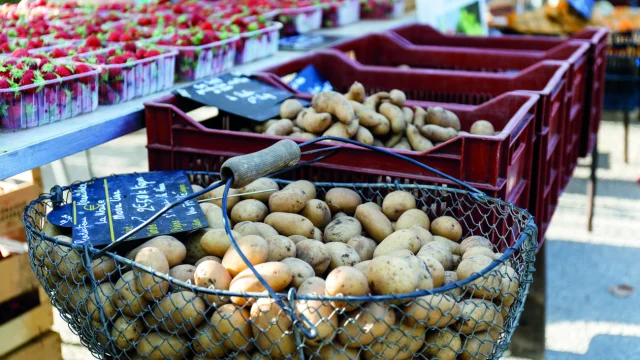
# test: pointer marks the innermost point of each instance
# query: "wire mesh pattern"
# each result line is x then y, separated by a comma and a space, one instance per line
127, 310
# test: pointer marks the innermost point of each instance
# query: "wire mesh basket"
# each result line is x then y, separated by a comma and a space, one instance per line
141, 310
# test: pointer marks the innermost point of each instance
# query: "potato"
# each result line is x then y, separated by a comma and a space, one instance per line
213, 214
419, 117
401, 343
297, 238
434, 311
448, 227
451, 277
401, 239
312, 286
364, 136
127, 297
375, 122
408, 115
103, 267
487, 286
478, 315
290, 200
443, 345
338, 129
363, 246
437, 133
374, 222
453, 246
356, 92
342, 229
372, 101
254, 228
403, 144
276, 274
302, 135
65, 262
304, 185
438, 251
435, 268
393, 140
153, 288
205, 344
318, 212
397, 97
282, 127
482, 127
403, 253
216, 242
161, 346
174, 250
338, 215
206, 258
362, 327
179, 312
317, 234
126, 332
413, 217
419, 267
389, 275
249, 210
314, 253
183, 273
335, 104
346, 281
509, 285
280, 247
193, 244
473, 241
103, 298
423, 234
341, 255
479, 250
416, 141
254, 248
341, 199
301, 270
395, 116
478, 346
271, 328
442, 117
290, 108
352, 128
396, 203
333, 352
363, 266
290, 224
214, 276
322, 316
231, 327
261, 184
217, 192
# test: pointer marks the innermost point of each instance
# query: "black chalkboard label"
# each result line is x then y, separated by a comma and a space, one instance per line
583, 7
307, 42
239, 95
104, 209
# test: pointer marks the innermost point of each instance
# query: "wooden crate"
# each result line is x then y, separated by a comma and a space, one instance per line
16, 193
47, 346
18, 284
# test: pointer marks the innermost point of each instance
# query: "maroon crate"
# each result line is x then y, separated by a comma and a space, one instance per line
502, 45
498, 165
385, 50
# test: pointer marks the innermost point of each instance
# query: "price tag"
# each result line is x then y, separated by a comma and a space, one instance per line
104, 209
309, 80
239, 95
583, 7
307, 42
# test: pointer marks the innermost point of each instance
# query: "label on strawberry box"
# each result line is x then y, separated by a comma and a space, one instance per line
239, 95
104, 209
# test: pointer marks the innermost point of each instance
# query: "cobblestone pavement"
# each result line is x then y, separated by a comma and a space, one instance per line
583, 319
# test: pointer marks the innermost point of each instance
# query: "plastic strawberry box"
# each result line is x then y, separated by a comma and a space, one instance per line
548, 79
258, 44
48, 101
196, 62
300, 20
336, 13
132, 79
381, 9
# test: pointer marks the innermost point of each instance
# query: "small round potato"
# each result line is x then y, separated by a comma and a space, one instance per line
291, 200
232, 327
254, 228
317, 211
212, 275
363, 246
423, 234
216, 242
418, 266
297, 238
183, 273
173, 249
127, 331
301, 271
206, 258
342, 230
161, 346
453, 246
474, 241
213, 214
478, 315
434, 311
401, 343
103, 298
363, 266
399, 240
438, 251
262, 184
341, 255
343, 200
362, 327
128, 297
346, 281
317, 234
389, 275
193, 243
485, 287
276, 274
290, 224
179, 312
154, 288
314, 253
396, 203
280, 247
413, 217
255, 248
249, 210
451, 277
482, 127
374, 221
443, 345
304, 185
217, 193
105, 266
479, 250
448, 227
478, 346
435, 268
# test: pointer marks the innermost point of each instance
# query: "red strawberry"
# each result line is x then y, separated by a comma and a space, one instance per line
151, 53
118, 59
81, 69
49, 76
125, 37
62, 71
114, 36
140, 53
18, 53
58, 53
28, 78
130, 47
111, 52
6, 84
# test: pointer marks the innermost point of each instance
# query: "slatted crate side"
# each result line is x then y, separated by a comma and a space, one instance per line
15, 194
47, 346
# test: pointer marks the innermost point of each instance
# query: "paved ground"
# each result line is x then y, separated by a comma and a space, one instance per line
583, 319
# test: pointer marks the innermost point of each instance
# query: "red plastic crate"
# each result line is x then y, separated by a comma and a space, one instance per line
547, 79
385, 50
596, 37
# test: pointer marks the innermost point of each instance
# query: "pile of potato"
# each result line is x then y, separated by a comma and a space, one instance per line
298, 237
381, 119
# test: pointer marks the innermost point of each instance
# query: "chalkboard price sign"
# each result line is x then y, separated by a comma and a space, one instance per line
104, 209
238, 94
583, 7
